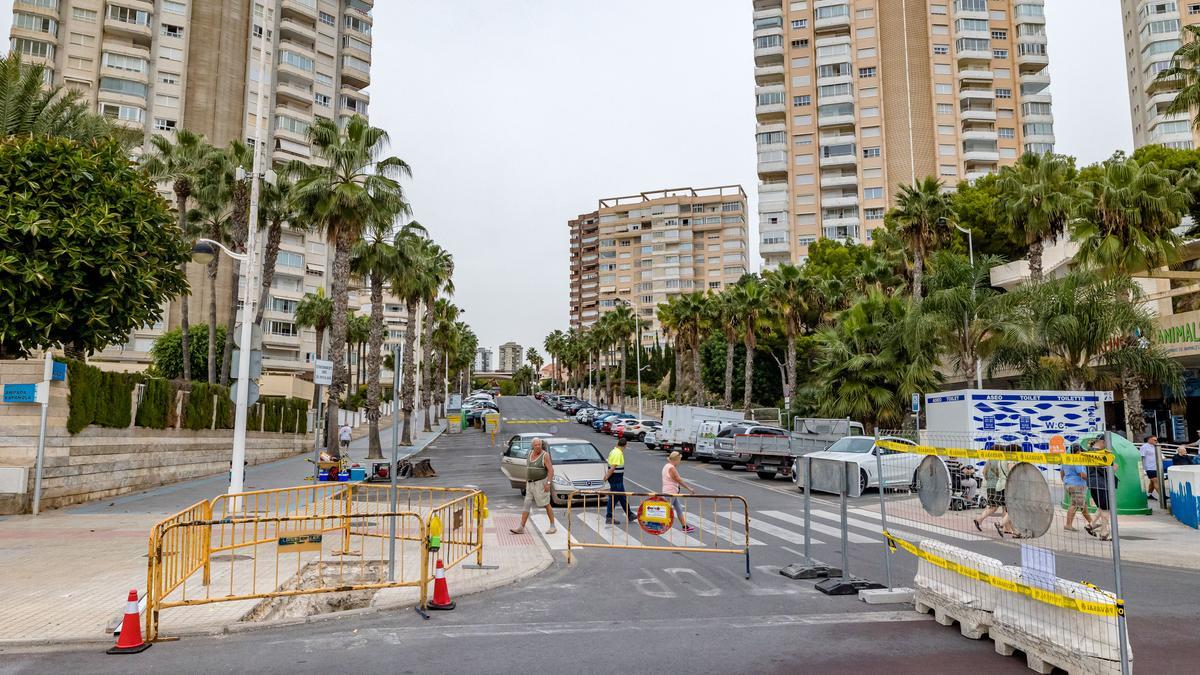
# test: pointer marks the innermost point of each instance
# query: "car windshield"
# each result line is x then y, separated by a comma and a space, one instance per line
859, 445
574, 453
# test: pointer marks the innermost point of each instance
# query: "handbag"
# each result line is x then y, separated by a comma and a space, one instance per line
537, 473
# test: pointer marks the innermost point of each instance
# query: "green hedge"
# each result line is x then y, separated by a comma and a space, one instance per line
98, 397
291, 413
198, 411
158, 397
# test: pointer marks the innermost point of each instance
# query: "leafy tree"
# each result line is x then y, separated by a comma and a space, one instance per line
167, 351
964, 311
29, 108
180, 163
1179, 160
349, 185
87, 251
977, 206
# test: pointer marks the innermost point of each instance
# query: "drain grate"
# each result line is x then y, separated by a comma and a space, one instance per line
235, 557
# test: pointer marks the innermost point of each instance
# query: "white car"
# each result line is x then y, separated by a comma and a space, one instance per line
898, 467
651, 439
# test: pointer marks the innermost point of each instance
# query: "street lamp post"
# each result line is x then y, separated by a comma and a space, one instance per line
966, 322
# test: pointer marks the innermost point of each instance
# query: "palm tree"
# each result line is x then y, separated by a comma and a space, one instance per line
965, 311
753, 303
29, 107
224, 168
179, 162
669, 319
276, 206
1126, 226
441, 269
412, 283
787, 288
358, 334
211, 218
920, 216
445, 341
726, 314
693, 311
1184, 75
1040, 192
349, 185
622, 323
554, 344
535, 359
315, 310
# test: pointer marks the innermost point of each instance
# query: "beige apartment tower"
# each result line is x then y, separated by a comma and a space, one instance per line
161, 65
511, 357
1153, 31
855, 97
641, 249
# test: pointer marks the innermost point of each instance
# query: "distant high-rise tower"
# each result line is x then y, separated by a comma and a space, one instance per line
1153, 31
855, 97
511, 357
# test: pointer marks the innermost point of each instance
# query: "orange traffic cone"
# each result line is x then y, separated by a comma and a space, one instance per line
130, 639
441, 592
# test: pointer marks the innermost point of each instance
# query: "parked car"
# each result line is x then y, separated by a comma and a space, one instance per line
591, 415
575, 406
899, 468
724, 451
579, 467
651, 439
598, 420
562, 402
607, 426
636, 430
478, 410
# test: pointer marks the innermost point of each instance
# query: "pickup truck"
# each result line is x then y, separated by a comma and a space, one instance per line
770, 451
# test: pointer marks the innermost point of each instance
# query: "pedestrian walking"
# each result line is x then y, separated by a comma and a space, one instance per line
995, 478
1074, 478
1149, 453
672, 483
616, 482
1098, 487
537, 485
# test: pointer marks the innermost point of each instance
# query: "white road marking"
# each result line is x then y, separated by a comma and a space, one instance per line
876, 523
767, 528
645, 585
556, 541
611, 534
704, 589
737, 538
834, 532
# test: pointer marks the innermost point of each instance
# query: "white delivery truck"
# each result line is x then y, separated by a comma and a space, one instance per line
1035, 420
686, 428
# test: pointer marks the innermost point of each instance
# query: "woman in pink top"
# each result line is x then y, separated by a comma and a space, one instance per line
671, 483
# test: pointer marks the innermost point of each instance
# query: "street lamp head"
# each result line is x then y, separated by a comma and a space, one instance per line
203, 252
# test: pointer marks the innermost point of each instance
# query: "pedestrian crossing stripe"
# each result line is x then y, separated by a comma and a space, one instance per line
1114, 608
723, 532
558, 421
854, 537
767, 528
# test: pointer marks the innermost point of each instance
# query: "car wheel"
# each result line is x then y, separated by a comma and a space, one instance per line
727, 466
641, 438
862, 481
650, 446
522, 492
766, 475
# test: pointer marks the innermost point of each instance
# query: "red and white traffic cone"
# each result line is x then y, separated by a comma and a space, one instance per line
441, 592
130, 639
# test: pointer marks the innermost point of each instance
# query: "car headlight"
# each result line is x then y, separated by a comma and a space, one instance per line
561, 480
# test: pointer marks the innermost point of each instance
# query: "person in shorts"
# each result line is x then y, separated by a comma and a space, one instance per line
1149, 453
995, 477
672, 483
1074, 478
537, 485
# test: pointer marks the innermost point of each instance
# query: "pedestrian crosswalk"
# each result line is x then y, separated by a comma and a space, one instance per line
724, 529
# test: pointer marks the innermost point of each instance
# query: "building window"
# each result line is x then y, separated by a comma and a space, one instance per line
79, 63
127, 113
946, 150
164, 124
870, 112
941, 50
284, 328
33, 48
1194, 8
127, 15
1000, 54
866, 72
132, 64
871, 152
289, 259
947, 170
1003, 93
999, 35
168, 78
119, 86
797, 24
293, 59
945, 108
172, 31
800, 44
873, 193
942, 88
166, 100
170, 53
873, 213
327, 19
84, 15
322, 100
174, 7
1006, 132
356, 24
800, 101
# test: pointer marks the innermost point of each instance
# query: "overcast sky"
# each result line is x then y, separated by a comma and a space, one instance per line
519, 115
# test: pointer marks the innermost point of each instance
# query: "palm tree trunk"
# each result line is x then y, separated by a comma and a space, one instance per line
320, 341
408, 381
374, 449
185, 340
748, 382
427, 366
270, 254
213, 267
1036, 249
918, 272
1135, 421
727, 400
608, 397
680, 378
340, 288
700, 394
230, 326
621, 391
789, 386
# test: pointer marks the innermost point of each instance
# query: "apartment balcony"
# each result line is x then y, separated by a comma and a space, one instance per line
833, 23
829, 180
126, 48
769, 75
769, 12
765, 56
981, 156
830, 121
773, 197
841, 228
772, 166
832, 80
1160, 100
1027, 18
293, 92
977, 115
980, 135
30, 8
299, 8
303, 31
977, 94
274, 340
1032, 61
850, 159
288, 71
770, 112
975, 73
103, 96
1039, 138
775, 245
972, 59
844, 200
143, 76
355, 76
971, 176
141, 34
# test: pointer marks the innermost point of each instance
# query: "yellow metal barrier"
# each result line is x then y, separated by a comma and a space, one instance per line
253, 545
716, 519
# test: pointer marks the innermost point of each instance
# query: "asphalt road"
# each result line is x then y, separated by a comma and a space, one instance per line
649, 611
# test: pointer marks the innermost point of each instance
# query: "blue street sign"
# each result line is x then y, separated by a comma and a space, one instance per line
60, 372
916, 403
20, 393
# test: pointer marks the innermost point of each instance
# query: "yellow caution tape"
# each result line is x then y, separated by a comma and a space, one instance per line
1115, 608
1062, 458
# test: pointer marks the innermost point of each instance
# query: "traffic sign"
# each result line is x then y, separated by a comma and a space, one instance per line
255, 336
26, 393
251, 399
256, 358
322, 373
916, 403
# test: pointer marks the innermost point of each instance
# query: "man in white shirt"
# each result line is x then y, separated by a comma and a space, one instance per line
1148, 451
344, 435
